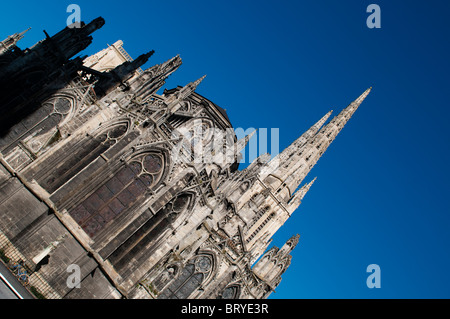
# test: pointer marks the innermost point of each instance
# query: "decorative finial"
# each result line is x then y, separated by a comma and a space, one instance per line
197, 83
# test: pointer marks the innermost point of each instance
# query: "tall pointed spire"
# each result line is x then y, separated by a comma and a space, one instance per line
296, 200
303, 139
290, 245
108, 81
242, 143
22, 34
185, 92
173, 102
275, 262
274, 165
286, 178
12, 40
311, 155
256, 165
154, 77
142, 59
363, 96
190, 88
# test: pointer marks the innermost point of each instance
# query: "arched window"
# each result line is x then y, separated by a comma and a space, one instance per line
167, 275
40, 129
119, 193
190, 279
136, 244
50, 115
231, 292
84, 153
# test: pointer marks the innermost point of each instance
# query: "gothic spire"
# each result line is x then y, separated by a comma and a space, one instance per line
12, 40
321, 142
154, 77
287, 176
274, 165
190, 88
242, 143
142, 59
303, 139
20, 35
297, 198
173, 102
110, 80
168, 67
289, 246
275, 262
185, 92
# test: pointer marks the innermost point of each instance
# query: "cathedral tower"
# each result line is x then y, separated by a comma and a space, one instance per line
11, 41
268, 192
100, 169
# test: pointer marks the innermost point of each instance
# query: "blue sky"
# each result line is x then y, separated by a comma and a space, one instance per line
381, 196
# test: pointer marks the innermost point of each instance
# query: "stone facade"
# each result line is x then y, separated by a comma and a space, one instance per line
97, 171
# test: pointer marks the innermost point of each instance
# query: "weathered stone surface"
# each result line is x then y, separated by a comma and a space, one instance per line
92, 177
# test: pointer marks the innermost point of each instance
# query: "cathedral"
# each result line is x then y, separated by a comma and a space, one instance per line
139, 191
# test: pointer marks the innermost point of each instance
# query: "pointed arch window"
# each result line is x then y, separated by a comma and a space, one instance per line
191, 278
58, 109
40, 129
119, 193
167, 275
231, 292
136, 244
86, 152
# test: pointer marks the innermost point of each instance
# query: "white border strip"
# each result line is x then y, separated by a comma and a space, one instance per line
11, 287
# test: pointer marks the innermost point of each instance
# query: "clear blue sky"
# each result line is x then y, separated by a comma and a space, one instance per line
382, 193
